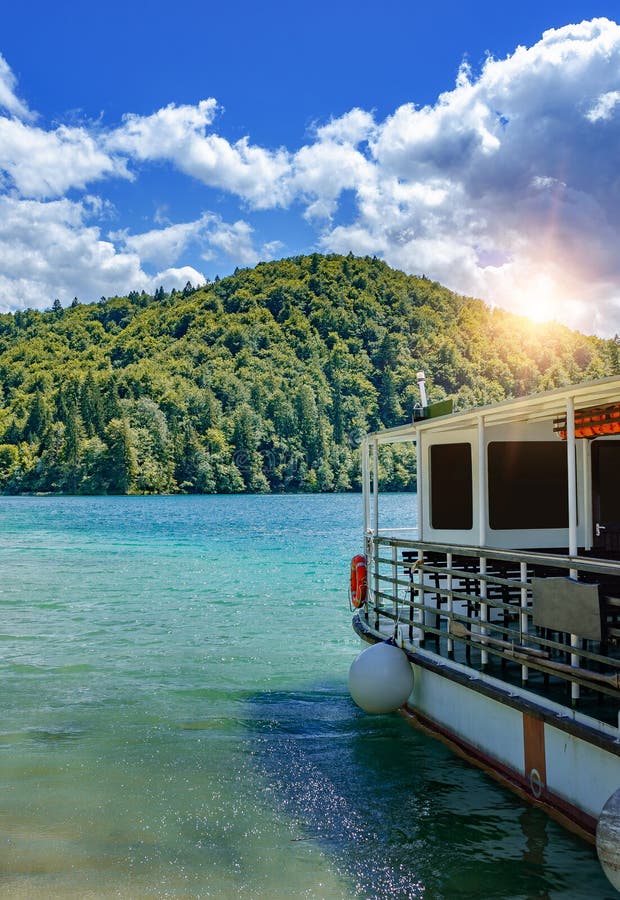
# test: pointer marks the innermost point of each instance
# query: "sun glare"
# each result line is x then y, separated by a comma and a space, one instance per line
541, 301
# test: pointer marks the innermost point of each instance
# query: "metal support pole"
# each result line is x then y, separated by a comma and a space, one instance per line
420, 475
523, 627
366, 486
572, 523
375, 488
420, 613
482, 533
449, 603
572, 477
586, 512
484, 612
482, 484
375, 484
395, 603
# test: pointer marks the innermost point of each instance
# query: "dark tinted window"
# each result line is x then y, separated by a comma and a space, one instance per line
606, 469
451, 486
528, 484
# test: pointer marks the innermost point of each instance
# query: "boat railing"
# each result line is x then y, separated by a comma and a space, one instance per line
481, 607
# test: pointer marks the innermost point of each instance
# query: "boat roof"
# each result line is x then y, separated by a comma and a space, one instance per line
541, 406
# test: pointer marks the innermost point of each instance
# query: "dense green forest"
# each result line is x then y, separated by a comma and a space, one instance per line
263, 381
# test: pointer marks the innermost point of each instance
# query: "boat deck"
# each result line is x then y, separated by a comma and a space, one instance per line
591, 701
481, 612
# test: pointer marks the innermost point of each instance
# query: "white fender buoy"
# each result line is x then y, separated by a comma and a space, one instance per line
380, 678
608, 839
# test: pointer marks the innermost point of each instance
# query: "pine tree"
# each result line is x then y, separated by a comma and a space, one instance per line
39, 418
121, 463
91, 406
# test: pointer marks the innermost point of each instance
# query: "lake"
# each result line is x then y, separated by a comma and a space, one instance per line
176, 721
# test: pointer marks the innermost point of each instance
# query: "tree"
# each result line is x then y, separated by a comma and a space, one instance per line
337, 417
247, 458
121, 464
69, 455
308, 423
39, 418
93, 466
91, 406
9, 460
152, 444
193, 471
390, 409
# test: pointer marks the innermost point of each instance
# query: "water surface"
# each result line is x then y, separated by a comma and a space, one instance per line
175, 719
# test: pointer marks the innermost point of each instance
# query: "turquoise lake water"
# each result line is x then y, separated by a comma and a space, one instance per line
176, 722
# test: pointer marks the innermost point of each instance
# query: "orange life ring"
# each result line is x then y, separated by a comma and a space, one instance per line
358, 581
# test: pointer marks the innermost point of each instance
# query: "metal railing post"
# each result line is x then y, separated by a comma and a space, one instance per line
523, 621
484, 613
395, 604
449, 601
572, 523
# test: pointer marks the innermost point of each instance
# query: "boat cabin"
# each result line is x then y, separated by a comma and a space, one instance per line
535, 473
516, 555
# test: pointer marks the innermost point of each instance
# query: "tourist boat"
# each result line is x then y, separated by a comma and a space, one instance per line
506, 598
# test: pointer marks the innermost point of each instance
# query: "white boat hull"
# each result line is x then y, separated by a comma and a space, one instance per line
567, 774
552, 757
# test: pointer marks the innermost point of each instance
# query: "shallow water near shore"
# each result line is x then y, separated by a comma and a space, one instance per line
176, 721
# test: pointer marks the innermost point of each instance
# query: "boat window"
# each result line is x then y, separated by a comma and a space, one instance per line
451, 486
527, 484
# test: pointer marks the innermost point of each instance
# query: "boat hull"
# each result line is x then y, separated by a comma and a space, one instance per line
550, 757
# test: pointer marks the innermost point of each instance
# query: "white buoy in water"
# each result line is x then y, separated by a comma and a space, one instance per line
608, 839
380, 678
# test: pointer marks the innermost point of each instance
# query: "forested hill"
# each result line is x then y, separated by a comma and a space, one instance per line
263, 381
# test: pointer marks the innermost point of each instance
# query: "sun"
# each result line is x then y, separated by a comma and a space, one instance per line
541, 301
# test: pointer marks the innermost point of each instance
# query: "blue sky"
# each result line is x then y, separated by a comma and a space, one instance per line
475, 143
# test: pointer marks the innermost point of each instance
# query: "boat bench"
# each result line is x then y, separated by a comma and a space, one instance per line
588, 608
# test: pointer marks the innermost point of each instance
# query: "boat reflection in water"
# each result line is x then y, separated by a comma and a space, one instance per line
396, 814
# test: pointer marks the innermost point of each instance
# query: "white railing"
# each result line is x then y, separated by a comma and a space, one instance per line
476, 607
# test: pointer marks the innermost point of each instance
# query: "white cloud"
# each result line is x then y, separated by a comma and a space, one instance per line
210, 235
326, 168
162, 134
351, 128
254, 174
48, 250
8, 99
604, 106
176, 279
507, 187
518, 165
236, 241
320, 210
178, 134
46, 164
162, 246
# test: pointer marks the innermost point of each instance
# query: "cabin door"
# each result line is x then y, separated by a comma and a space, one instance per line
606, 497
